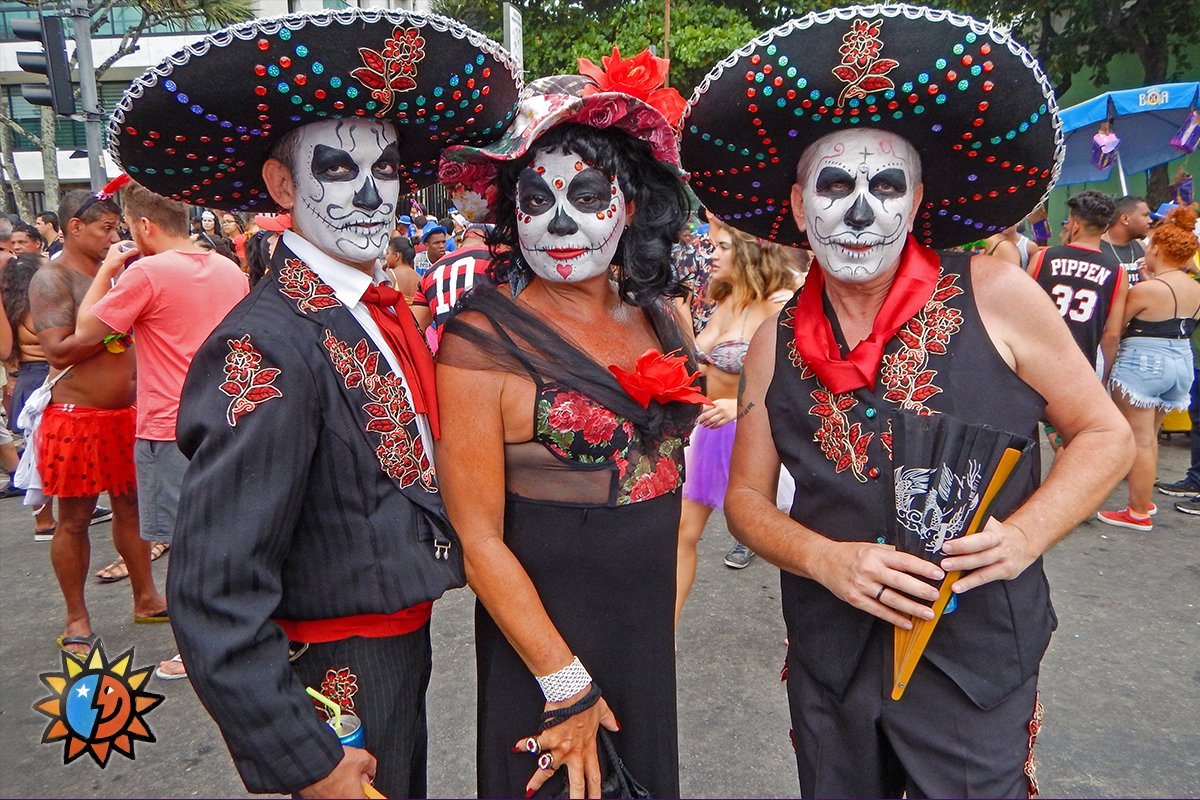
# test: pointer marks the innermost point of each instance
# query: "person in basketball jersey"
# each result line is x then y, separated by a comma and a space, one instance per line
1124, 239
1085, 281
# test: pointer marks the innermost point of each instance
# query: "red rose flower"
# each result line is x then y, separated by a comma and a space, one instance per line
640, 77
567, 413
660, 377
599, 426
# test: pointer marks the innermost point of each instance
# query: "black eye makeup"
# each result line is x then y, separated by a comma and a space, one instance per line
534, 196
889, 183
590, 191
834, 182
332, 164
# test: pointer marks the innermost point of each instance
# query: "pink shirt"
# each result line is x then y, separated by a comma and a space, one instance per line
171, 302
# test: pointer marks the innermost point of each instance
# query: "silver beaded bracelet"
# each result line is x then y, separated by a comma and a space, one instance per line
567, 682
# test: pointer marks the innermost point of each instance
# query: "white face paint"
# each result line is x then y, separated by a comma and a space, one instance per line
347, 181
859, 199
570, 216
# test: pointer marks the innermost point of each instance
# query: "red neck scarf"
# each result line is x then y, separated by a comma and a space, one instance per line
915, 280
396, 322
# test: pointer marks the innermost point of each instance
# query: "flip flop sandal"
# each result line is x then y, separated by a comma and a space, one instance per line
157, 549
161, 616
170, 676
65, 642
116, 571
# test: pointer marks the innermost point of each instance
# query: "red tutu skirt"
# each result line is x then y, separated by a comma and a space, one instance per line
84, 451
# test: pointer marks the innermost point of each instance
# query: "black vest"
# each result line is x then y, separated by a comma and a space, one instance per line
1083, 284
838, 450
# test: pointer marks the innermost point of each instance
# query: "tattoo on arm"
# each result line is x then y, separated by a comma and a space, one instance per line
51, 304
743, 410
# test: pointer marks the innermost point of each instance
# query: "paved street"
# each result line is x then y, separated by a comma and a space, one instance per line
1121, 683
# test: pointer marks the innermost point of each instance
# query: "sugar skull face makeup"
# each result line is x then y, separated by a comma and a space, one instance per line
860, 190
347, 183
570, 216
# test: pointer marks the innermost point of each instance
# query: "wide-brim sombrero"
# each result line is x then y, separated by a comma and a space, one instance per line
469, 171
974, 103
198, 126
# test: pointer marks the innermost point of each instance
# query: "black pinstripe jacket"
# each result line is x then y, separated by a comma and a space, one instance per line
309, 496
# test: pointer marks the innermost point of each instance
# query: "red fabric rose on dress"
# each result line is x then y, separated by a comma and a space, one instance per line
660, 377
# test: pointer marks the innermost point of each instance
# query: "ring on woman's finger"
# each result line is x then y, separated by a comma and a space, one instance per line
879, 594
532, 745
546, 761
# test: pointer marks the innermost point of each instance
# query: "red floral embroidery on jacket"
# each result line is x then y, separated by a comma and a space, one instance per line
246, 380
340, 686
301, 284
1035, 727
401, 453
905, 375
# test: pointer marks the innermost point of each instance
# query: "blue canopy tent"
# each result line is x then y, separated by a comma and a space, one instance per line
1145, 120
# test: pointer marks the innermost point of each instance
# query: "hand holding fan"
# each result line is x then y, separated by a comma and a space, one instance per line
946, 473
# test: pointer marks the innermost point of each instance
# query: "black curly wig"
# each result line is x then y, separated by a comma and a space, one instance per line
643, 259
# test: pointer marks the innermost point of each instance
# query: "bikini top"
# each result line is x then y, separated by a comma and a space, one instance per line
1175, 328
727, 356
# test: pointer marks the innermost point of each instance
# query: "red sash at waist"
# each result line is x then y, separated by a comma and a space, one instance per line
369, 626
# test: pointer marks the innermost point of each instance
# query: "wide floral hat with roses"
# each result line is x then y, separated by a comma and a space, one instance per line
624, 93
974, 103
198, 126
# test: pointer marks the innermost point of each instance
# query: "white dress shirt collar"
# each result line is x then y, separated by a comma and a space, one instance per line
348, 283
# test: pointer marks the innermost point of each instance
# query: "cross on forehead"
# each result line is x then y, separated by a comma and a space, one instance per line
866, 153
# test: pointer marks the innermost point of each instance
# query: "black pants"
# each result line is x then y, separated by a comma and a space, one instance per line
933, 742
382, 681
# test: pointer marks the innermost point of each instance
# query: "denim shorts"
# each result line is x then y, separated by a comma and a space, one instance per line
1154, 373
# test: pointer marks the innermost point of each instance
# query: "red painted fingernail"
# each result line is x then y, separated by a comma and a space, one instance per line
518, 749
529, 793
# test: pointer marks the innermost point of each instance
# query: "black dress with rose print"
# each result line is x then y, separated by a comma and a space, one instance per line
592, 513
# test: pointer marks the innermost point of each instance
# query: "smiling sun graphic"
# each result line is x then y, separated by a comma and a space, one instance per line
96, 706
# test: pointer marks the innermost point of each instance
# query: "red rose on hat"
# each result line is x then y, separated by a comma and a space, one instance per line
640, 77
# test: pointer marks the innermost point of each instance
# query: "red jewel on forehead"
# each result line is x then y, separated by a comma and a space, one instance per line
541, 170
558, 183
579, 166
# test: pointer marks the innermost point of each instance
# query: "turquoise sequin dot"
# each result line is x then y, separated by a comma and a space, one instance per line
321, 113
132, 169
767, 91
940, 63
970, 37
963, 84
1034, 117
870, 99
836, 120
923, 77
301, 50
454, 80
781, 102
403, 107
907, 87
814, 95
784, 61
854, 103
317, 68
437, 92
771, 49
1042, 108
733, 148
791, 73
168, 171
941, 98
187, 170
420, 100
816, 117
758, 77
1010, 135
283, 87
705, 136
898, 115
370, 105
799, 112
1024, 126
854, 120
800, 84
273, 71
919, 109
351, 91
995, 140
297, 99
870, 413
335, 82
975, 70
469, 68
880, 540
875, 118
285, 34
958, 49
891, 93
479, 59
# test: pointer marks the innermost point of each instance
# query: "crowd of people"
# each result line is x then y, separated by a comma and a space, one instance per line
640, 324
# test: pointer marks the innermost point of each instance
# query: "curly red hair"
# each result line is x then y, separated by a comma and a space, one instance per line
1176, 235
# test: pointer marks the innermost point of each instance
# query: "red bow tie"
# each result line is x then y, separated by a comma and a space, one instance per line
395, 321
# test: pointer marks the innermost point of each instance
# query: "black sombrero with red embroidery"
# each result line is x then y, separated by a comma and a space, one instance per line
198, 126
974, 103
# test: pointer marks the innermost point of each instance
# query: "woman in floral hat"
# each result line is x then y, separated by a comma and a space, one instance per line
567, 392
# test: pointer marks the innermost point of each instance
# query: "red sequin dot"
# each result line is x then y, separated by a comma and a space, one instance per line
261, 91
751, 92
987, 66
987, 86
319, 94
131, 131
263, 44
755, 59
263, 107
983, 106
967, 60
338, 104
986, 49
301, 80
978, 122
260, 70
487, 72
951, 75
285, 62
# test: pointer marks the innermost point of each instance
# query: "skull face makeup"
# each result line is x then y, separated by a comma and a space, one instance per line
570, 216
347, 183
859, 192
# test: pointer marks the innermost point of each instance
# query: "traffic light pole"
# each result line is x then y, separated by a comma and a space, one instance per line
88, 93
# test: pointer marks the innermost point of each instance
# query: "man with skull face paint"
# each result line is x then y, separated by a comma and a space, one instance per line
884, 323
311, 536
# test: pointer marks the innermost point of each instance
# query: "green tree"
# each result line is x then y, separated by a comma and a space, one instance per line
154, 14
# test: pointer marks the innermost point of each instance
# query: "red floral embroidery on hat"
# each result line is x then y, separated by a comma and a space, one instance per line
394, 70
301, 284
246, 381
400, 451
340, 686
862, 70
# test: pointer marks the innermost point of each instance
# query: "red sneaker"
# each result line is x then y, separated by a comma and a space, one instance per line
1125, 519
